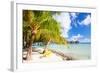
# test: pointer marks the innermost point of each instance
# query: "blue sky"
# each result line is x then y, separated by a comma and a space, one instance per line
75, 25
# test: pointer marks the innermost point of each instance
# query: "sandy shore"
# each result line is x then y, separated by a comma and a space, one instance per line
55, 57
36, 57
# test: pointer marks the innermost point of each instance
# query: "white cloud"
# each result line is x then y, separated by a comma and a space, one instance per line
86, 21
73, 15
79, 38
76, 37
85, 40
64, 20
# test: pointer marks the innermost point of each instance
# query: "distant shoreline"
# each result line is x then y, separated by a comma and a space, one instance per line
79, 43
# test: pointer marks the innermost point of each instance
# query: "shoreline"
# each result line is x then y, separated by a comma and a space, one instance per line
64, 56
55, 57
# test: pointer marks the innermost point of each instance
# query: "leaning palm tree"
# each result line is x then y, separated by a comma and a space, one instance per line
29, 33
40, 26
30, 27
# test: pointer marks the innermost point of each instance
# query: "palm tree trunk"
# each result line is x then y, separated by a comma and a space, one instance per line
29, 53
29, 49
47, 44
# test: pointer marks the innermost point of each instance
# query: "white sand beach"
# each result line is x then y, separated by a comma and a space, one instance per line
36, 57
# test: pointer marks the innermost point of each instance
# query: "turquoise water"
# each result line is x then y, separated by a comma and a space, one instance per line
81, 51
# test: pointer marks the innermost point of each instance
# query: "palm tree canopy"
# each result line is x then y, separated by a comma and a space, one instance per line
44, 24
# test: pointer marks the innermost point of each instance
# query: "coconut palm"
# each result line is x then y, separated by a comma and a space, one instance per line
40, 26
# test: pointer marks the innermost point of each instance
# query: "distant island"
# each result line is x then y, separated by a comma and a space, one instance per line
73, 42
78, 42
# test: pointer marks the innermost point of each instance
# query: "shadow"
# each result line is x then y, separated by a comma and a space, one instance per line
12, 61
10, 70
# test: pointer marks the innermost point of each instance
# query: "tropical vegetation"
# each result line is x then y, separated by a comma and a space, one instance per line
40, 26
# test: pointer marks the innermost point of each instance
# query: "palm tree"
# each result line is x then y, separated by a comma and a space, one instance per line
40, 26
